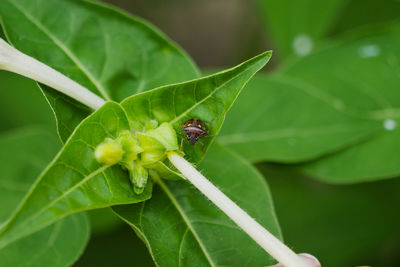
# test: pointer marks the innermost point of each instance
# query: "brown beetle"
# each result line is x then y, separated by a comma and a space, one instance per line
194, 129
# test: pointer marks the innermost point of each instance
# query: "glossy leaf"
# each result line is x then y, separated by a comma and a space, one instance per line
296, 25
275, 119
102, 48
59, 244
74, 181
183, 228
359, 77
208, 98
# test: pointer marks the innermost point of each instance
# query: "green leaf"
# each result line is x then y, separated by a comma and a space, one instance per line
181, 227
276, 119
295, 26
359, 77
208, 98
100, 47
74, 181
59, 244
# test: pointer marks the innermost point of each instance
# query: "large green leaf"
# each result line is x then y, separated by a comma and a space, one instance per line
361, 78
276, 119
22, 156
296, 25
74, 181
104, 49
208, 98
181, 227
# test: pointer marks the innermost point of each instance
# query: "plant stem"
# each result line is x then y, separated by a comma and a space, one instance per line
259, 234
15, 61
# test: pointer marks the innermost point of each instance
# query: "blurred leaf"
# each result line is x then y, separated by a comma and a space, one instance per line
74, 181
20, 170
348, 225
178, 221
279, 120
295, 25
24, 153
344, 96
208, 98
31, 109
360, 78
359, 13
102, 48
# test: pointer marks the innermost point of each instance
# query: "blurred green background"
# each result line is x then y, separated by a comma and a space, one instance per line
343, 225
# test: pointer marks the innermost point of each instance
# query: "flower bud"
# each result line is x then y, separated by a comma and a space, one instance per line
130, 147
138, 177
153, 150
109, 152
166, 135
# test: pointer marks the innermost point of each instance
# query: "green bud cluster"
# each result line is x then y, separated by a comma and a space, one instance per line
138, 151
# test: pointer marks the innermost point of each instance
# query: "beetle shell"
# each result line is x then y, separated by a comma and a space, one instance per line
194, 129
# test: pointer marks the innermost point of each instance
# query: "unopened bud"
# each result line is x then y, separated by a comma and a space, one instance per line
109, 152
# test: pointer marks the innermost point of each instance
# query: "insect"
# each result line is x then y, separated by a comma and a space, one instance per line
194, 129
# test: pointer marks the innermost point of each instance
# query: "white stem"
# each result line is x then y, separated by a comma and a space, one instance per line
15, 61
265, 239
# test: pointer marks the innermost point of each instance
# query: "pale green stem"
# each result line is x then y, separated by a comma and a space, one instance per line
15, 61
259, 234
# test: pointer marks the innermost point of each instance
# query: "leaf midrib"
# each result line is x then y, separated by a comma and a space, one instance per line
336, 102
65, 49
241, 137
185, 218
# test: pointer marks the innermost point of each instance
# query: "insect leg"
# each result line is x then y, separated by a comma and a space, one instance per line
182, 144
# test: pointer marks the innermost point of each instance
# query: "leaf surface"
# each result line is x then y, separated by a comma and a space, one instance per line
275, 119
74, 181
104, 49
181, 227
59, 244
